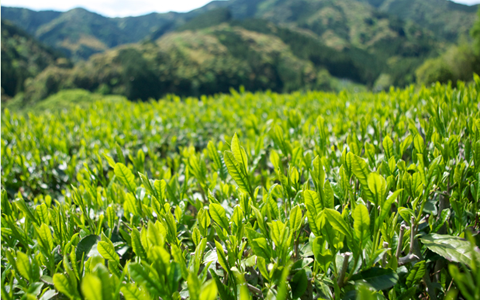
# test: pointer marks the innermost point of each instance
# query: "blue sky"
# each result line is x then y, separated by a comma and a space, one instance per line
120, 8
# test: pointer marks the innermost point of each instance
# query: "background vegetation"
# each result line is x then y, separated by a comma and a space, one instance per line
277, 45
308, 195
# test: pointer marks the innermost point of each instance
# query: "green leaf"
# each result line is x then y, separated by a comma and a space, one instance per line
198, 257
260, 219
361, 223
91, 287
218, 214
378, 186
222, 260
299, 284
379, 279
296, 219
262, 267
452, 248
154, 234
388, 147
193, 284
223, 290
63, 285
160, 187
209, 291
282, 292
26, 210
405, 144
132, 292
318, 173
277, 231
276, 133
329, 200
416, 274
387, 206
244, 294
359, 168
237, 172
41, 213
109, 160
312, 202
361, 171
418, 143
107, 250
137, 244
335, 219
179, 258
23, 265
85, 245
213, 154
44, 236
261, 248
239, 153
144, 277
364, 293
125, 176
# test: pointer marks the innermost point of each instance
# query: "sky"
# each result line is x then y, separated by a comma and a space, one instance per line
122, 8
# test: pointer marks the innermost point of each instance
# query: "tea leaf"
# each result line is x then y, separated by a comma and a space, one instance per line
125, 176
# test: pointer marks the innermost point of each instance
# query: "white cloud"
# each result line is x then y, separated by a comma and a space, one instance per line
111, 8
469, 2
121, 8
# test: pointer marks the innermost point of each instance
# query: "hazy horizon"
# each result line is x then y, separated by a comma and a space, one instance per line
125, 8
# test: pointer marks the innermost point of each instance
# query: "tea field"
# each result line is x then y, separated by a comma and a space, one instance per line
308, 195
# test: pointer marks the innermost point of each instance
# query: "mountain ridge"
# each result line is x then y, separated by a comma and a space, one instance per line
96, 33
319, 42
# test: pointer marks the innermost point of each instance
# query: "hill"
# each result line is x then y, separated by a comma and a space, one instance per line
367, 24
277, 45
446, 19
253, 53
80, 33
23, 57
187, 63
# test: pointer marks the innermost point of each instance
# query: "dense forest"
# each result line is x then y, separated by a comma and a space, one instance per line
281, 46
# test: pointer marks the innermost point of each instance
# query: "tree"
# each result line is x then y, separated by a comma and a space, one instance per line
475, 34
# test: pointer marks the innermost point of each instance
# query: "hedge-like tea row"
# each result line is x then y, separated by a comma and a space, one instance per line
263, 196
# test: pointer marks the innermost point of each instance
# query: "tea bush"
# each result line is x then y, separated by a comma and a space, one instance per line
245, 196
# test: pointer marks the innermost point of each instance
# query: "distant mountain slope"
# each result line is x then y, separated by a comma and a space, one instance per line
23, 57
375, 25
80, 33
339, 23
280, 45
190, 63
27, 19
445, 18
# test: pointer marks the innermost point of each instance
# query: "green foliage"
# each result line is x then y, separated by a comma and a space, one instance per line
187, 64
457, 63
244, 196
23, 57
448, 20
210, 18
281, 46
475, 34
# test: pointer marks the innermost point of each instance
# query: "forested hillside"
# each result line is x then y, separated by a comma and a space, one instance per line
80, 33
23, 57
278, 45
447, 19
187, 63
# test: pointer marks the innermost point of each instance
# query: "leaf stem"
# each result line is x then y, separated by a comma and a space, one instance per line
341, 276
400, 241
